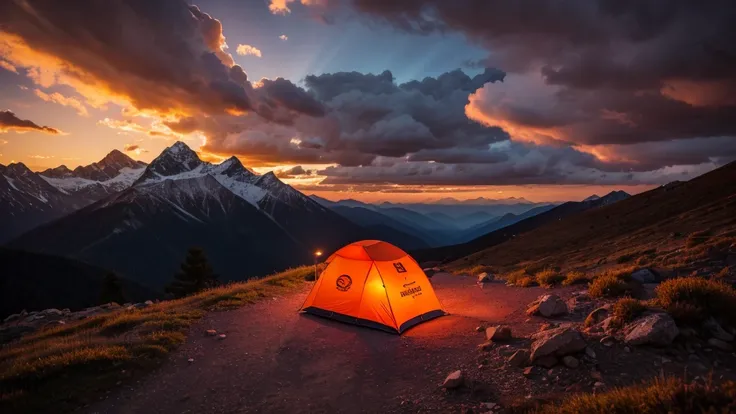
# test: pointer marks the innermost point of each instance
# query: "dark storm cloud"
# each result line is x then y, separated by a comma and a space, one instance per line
367, 116
162, 55
10, 122
616, 71
294, 172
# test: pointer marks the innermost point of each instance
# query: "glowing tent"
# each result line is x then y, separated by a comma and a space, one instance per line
375, 284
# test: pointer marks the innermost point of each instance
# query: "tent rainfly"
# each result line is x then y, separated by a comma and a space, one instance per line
375, 284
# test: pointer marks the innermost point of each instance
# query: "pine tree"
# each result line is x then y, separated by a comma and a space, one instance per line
112, 290
195, 275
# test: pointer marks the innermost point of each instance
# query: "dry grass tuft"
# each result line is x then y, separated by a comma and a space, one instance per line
691, 300
608, 286
549, 278
626, 310
659, 396
575, 277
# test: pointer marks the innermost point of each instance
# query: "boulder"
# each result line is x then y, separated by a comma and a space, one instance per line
52, 312
528, 372
454, 380
484, 277
716, 331
719, 344
559, 341
552, 305
570, 361
12, 318
498, 333
519, 358
547, 361
656, 329
644, 276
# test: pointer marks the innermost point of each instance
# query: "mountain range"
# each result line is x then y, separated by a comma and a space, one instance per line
139, 219
248, 224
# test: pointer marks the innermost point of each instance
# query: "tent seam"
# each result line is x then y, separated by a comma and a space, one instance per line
393, 316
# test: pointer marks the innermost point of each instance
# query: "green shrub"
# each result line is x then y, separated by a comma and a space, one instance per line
691, 300
575, 277
549, 278
626, 310
608, 285
660, 396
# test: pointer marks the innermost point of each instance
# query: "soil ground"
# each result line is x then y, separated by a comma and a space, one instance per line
276, 360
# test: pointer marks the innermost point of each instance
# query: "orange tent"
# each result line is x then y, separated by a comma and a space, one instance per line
375, 284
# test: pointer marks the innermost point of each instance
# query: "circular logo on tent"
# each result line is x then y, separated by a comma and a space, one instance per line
343, 283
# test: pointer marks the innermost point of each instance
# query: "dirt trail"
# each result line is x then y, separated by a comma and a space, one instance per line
276, 360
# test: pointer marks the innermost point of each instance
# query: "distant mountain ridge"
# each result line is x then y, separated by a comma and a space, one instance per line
248, 224
29, 199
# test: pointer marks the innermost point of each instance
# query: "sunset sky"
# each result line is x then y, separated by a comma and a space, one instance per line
376, 99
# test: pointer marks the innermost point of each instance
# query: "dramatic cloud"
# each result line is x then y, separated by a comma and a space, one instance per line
357, 117
294, 172
60, 99
282, 6
10, 122
185, 71
245, 50
599, 76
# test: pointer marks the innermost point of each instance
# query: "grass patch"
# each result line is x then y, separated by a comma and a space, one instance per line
692, 300
659, 396
472, 270
514, 277
626, 310
697, 238
608, 286
59, 368
548, 278
575, 277
526, 281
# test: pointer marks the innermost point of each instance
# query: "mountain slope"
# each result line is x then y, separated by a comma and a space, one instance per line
248, 225
35, 281
493, 238
29, 199
646, 222
383, 227
499, 223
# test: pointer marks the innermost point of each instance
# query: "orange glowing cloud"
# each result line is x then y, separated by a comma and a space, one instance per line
699, 93
60, 99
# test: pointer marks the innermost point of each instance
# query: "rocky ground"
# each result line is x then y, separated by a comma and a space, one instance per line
501, 346
16, 325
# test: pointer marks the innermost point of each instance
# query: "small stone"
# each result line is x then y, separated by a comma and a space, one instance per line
519, 358
454, 380
190, 360
719, 344
608, 340
599, 384
221, 336
528, 371
552, 305
716, 331
479, 329
627, 349
210, 332
570, 361
498, 333
657, 329
485, 346
148, 303
590, 352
